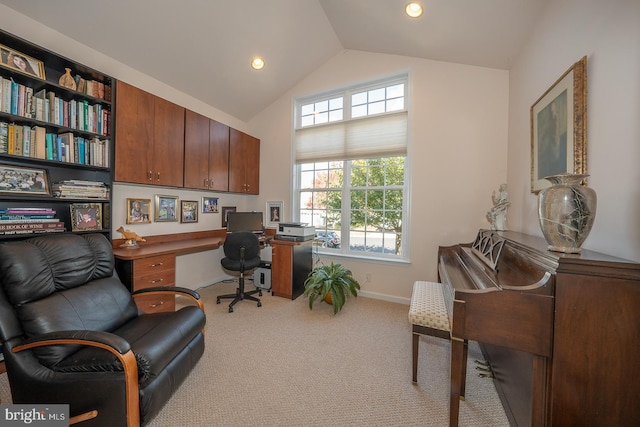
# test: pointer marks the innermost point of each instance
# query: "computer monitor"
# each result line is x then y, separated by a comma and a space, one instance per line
245, 221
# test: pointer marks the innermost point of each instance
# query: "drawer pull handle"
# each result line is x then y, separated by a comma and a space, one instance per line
157, 265
157, 280
156, 305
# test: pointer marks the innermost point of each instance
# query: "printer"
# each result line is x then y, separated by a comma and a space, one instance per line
295, 231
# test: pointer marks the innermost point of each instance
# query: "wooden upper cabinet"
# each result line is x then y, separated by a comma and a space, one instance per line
149, 132
244, 163
206, 153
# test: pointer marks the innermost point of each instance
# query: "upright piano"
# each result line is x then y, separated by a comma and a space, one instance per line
561, 332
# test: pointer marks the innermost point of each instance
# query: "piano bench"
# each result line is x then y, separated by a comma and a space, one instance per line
429, 314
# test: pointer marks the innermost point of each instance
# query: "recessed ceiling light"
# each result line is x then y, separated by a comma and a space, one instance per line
413, 9
257, 63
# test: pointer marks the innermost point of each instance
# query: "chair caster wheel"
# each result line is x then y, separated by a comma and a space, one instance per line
260, 293
259, 304
230, 309
217, 300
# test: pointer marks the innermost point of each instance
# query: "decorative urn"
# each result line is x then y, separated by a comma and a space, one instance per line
566, 211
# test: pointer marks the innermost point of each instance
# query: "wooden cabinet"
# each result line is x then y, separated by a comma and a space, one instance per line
244, 163
149, 272
290, 266
150, 135
69, 140
206, 153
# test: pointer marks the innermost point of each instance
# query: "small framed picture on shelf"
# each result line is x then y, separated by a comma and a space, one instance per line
188, 211
209, 205
19, 180
10, 58
86, 216
225, 212
274, 213
138, 211
166, 208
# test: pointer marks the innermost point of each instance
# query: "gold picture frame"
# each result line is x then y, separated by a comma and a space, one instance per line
86, 216
138, 211
188, 211
558, 128
18, 61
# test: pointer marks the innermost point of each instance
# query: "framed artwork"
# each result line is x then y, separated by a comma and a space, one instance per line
209, 205
86, 216
138, 211
225, 212
19, 180
558, 128
274, 213
10, 58
188, 211
166, 208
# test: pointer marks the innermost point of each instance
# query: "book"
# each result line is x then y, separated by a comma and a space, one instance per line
40, 142
6, 95
17, 149
4, 138
14, 98
32, 231
30, 226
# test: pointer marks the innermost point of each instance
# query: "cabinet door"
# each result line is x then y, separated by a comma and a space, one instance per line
218, 156
281, 270
134, 134
244, 163
168, 146
196, 150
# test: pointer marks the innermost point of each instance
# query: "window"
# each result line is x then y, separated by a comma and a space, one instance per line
350, 152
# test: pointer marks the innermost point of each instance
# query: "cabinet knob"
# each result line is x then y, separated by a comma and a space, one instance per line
206, 182
158, 264
158, 179
150, 176
157, 281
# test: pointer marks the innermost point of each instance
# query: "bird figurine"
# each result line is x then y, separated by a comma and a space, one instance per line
131, 238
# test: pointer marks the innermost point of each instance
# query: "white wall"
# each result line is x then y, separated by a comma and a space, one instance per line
608, 33
458, 136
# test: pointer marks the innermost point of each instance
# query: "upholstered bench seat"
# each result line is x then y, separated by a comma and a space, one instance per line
430, 313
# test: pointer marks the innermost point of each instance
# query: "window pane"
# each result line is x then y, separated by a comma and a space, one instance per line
376, 95
395, 91
335, 178
306, 110
375, 199
322, 118
321, 106
336, 103
306, 121
376, 107
335, 115
359, 111
395, 104
395, 174
306, 179
359, 99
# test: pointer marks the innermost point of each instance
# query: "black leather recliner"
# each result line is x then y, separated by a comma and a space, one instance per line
72, 333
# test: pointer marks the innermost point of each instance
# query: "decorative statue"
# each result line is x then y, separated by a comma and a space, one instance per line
497, 216
131, 238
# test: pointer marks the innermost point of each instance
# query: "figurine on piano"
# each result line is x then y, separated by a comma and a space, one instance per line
497, 216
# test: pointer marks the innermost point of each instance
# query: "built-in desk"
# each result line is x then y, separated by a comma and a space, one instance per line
153, 263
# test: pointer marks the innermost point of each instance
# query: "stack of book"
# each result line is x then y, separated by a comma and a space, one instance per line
29, 220
79, 189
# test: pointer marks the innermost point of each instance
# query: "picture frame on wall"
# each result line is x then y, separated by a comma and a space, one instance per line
209, 205
225, 212
166, 208
18, 61
20, 180
138, 211
558, 128
275, 211
86, 216
188, 211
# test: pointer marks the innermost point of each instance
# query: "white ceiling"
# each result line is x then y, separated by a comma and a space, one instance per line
203, 47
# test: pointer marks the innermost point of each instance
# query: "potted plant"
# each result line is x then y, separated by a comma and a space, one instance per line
331, 283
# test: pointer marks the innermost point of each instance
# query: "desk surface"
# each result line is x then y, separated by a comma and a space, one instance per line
179, 244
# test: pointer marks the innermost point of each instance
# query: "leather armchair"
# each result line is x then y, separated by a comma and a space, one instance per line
72, 333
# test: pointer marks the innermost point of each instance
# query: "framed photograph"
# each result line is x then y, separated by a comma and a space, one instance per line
86, 216
138, 211
558, 128
19, 180
10, 58
188, 211
274, 213
225, 212
166, 208
209, 205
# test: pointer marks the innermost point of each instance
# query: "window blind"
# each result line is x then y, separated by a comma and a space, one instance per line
373, 136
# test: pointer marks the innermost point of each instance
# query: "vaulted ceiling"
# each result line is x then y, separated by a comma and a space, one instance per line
204, 47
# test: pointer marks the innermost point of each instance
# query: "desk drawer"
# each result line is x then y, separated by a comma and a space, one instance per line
159, 278
154, 264
156, 303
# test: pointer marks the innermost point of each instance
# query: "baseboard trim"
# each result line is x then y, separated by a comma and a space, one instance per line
385, 297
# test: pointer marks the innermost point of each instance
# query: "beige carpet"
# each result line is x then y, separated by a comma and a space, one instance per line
283, 365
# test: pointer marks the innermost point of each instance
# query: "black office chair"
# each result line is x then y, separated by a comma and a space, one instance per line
241, 250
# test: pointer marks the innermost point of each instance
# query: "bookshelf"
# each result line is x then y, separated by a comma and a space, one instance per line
53, 132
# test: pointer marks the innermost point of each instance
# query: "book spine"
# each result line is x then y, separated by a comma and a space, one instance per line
31, 226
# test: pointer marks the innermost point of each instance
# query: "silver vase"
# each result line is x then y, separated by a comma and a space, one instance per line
566, 211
